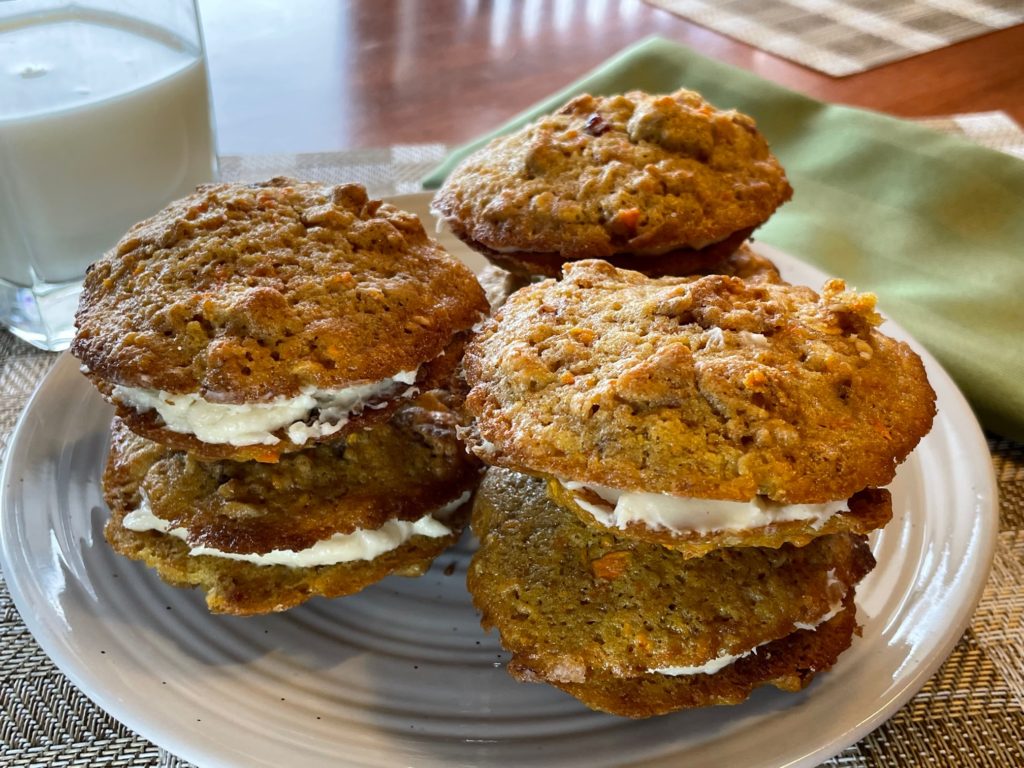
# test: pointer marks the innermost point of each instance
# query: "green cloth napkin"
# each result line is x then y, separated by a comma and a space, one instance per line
931, 223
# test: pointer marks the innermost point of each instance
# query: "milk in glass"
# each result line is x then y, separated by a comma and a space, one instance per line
104, 119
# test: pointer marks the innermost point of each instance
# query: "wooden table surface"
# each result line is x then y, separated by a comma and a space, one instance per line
325, 75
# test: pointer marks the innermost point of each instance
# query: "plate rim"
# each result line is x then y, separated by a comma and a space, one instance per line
987, 490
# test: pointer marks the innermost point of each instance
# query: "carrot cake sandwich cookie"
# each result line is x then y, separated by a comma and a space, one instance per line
279, 355
327, 521
638, 629
663, 184
675, 433
251, 320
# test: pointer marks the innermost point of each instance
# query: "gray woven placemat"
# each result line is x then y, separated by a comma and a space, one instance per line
971, 713
842, 37
393, 170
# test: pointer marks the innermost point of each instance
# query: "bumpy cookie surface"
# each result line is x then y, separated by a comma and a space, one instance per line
571, 602
637, 173
709, 388
245, 292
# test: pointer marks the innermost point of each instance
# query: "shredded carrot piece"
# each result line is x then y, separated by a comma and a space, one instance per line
629, 218
611, 566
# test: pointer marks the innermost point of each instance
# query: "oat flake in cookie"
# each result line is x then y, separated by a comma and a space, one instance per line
249, 320
663, 184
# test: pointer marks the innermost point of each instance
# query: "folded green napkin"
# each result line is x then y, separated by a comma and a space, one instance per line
931, 223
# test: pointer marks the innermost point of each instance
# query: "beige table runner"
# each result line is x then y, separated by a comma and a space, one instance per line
971, 713
842, 37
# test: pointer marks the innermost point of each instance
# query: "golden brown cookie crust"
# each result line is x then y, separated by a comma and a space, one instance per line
789, 664
571, 602
636, 173
245, 292
709, 388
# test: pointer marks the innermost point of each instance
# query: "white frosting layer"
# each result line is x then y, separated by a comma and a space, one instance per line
721, 662
255, 423
715, 665
660, 511
361, 544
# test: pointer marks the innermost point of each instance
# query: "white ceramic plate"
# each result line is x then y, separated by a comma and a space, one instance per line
401, 674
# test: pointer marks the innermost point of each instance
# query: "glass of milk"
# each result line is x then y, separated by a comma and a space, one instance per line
104, 118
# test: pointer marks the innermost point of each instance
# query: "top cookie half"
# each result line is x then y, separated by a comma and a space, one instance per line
635, 174
251, 293
711, 388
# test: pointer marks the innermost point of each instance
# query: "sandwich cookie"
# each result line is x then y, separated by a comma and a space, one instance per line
698, 413
664, 184
328, 520
638, 629
251, 320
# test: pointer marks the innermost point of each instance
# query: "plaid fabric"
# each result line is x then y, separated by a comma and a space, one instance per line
995, 130
842, 37
971, 713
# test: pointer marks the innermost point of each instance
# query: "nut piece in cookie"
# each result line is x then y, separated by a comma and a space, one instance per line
658, 183
710, 411
329, 520
249, 320
637, 629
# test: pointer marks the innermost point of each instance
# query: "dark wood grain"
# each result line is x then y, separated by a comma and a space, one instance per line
323, 75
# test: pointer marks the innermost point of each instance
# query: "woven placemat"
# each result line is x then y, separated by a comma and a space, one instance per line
394, 170
842, 37
971, 713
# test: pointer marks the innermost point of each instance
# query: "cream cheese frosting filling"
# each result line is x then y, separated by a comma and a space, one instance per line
254, 423
719, 663
679, 514
361, 544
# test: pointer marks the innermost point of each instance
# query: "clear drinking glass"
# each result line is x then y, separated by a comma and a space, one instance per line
104, 118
